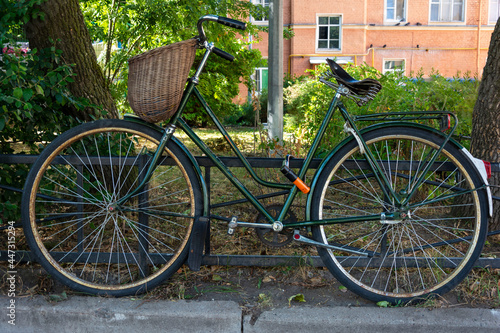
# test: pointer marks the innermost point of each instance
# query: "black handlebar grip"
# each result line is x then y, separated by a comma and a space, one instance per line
232, 23
223, 54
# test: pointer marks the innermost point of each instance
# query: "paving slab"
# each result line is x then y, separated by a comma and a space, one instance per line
365, 319
95, 314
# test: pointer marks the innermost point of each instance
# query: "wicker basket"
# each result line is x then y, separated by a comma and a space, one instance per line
157, 78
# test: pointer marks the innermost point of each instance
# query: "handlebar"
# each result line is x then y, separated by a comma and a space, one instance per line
221, 20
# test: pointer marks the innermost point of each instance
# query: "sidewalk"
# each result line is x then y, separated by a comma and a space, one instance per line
94, 314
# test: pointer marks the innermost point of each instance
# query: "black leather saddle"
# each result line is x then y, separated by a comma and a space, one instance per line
365, 87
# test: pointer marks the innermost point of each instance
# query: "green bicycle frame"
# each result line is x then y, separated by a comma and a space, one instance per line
177, 121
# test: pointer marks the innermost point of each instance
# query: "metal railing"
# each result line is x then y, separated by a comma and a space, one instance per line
223, 259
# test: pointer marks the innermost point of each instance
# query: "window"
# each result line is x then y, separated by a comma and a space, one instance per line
395, 10
394, 65
329, 31
447, 10
261, 80
261, 17
494, 11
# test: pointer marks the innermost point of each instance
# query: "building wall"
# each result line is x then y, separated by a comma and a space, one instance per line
367, 37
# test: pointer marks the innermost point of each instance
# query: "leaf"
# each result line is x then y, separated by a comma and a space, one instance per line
383, 304
343, 289
2, 123
18, 93
39, 90
296, 298
216, 277
27, 94
58, 298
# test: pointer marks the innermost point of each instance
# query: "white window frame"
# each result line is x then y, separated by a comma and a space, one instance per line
318, 25
493, 11
394, 19
258, 78
264, 3
440, 4
384, 70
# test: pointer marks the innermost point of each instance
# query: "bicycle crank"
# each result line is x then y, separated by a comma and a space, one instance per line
275, 237
234, 223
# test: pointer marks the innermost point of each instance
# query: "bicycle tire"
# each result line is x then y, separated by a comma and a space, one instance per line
428, 251
77, 233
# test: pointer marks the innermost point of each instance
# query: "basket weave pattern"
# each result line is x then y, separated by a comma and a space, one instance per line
157, 78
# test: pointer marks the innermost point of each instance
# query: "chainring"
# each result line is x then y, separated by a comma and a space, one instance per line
272, 238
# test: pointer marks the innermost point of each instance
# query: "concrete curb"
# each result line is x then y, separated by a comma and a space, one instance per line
94, 314
366, 319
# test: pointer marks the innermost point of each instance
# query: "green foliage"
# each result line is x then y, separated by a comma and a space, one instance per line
142, 25
241, 115
306, 101
33, 97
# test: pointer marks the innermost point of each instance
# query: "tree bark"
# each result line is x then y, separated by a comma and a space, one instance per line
64, 24
485, 142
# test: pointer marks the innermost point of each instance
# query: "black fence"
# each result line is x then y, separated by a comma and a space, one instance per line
220, 259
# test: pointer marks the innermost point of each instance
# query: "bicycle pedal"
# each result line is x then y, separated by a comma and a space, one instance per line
233, 224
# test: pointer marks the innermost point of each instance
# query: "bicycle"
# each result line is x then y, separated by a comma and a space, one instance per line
398, 210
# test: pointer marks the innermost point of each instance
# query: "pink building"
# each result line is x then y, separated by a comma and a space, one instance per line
446, 35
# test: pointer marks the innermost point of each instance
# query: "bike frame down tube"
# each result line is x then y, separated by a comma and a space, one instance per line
225, 170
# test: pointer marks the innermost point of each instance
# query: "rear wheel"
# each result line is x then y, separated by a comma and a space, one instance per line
78, 233
438, 235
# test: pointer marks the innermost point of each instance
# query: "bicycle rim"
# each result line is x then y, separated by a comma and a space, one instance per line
82, 238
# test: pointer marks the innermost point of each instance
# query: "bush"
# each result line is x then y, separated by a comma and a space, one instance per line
307, 100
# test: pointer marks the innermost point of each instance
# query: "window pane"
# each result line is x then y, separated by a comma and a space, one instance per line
334, 44
323, 33
323, 20
446, 11
393, 65
493, 10
457, 12
390, 3
334, 32
434, 12
264, 79
400, 10
334, 20
322, 44
390, 14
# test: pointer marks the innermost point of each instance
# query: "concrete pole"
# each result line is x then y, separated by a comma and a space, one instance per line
275, 67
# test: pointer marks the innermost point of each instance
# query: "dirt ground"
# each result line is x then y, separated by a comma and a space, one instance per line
256, 289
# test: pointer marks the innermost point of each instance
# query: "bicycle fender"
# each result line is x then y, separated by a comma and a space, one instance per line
481, 169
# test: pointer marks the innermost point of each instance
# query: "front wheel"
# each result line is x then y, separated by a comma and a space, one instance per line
440, 229
77, 231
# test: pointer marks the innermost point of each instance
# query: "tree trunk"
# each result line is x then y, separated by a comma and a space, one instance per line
485, 142
64, 23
